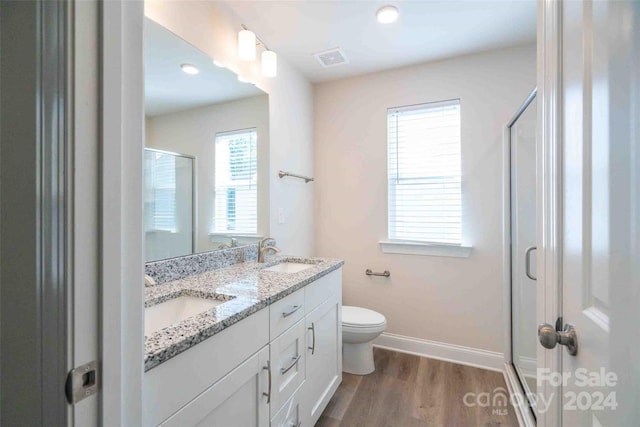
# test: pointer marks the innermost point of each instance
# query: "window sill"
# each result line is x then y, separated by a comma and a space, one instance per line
425, 249
161, 231
239, 236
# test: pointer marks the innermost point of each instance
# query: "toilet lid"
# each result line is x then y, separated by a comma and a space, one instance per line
362, 317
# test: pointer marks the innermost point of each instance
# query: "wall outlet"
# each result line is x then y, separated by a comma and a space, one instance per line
280, 216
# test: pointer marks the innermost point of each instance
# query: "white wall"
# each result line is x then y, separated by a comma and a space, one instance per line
193, 131
212, 27
451, 300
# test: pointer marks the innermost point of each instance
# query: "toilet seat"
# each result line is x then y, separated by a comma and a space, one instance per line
361, 318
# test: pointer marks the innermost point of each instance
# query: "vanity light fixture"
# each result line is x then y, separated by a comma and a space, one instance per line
387, 14
189, 69
247, 43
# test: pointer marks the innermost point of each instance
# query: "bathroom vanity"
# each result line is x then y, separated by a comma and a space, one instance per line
267, 350
229, 340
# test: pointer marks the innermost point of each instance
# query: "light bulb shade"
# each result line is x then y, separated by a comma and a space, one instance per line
247, 45
189, 69
387, 14
269, 63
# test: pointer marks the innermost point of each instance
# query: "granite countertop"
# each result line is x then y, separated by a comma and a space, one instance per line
244, 287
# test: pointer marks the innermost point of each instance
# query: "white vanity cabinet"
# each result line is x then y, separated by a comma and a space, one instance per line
279, 367
317, 353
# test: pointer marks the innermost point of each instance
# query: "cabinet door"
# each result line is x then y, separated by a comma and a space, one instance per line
288, 355
324, 356
237, 399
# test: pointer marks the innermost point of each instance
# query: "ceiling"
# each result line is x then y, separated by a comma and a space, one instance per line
168, 89
425, 31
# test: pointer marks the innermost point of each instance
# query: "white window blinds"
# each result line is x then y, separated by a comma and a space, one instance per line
424, 173
160, 189
236, 183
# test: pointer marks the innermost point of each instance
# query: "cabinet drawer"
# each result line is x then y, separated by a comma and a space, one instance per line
291, 414
286, 312
319, 291
288, 358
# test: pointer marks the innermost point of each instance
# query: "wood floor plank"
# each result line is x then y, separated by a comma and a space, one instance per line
429, 392
340, 402
411, 391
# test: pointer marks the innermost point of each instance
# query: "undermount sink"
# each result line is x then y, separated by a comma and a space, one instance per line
289, 267
174, 311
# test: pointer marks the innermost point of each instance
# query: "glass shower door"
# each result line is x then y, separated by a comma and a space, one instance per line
168, 204
523, 249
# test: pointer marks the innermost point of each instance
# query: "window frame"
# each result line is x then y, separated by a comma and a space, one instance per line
417, 247
233, 233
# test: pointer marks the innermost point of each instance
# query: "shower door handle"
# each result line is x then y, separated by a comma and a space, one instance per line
527, 262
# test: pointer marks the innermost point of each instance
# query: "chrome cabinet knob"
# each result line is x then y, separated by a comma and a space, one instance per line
549, 337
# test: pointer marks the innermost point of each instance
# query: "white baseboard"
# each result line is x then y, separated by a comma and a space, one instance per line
478, 358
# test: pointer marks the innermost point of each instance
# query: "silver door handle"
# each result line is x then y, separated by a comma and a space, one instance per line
293, 363
268, 368
293, 310
527, 262
313, 340
549, 337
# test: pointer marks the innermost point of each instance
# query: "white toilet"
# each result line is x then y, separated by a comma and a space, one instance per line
360, 326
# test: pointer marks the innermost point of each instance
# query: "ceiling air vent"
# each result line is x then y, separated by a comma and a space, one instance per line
331, 58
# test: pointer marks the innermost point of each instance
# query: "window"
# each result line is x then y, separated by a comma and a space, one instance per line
236, 183
160, 188
424, 173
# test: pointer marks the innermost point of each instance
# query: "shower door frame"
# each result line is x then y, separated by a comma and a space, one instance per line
194, 195
523, 411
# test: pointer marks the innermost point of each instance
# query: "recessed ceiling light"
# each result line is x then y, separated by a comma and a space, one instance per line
189, 69
387, 14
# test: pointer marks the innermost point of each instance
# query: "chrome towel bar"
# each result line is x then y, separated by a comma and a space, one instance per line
385, 273
282, 174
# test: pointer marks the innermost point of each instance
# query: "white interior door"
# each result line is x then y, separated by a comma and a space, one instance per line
600, 208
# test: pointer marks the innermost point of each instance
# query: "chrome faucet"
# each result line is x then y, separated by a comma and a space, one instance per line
262, 249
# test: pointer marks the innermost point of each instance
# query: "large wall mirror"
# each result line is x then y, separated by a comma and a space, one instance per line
207, 151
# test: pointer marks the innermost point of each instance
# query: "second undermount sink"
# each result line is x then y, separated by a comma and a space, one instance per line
289, 267
174, 311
